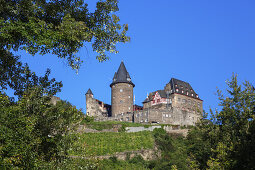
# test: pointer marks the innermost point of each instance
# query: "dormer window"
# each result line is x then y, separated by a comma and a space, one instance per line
128, 79
182, 91
177, 90
176, 85
197, 96
114, 79
187, 93
192, 94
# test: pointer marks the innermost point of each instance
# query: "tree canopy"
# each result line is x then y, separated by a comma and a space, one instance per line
33, 131
60, 27
227, 141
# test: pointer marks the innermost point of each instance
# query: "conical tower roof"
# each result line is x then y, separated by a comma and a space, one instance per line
89, 91
121, 76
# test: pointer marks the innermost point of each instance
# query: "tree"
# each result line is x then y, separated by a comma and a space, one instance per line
33, 131
59, 27
228, 141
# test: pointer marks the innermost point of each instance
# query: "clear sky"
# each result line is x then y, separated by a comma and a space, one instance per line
198, 41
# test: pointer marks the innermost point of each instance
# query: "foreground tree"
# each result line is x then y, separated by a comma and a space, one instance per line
34, 131
228, 141
58, 27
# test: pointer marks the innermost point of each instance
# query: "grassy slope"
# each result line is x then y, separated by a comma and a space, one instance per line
95, 144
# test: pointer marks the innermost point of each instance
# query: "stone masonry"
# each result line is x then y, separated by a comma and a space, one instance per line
177, 104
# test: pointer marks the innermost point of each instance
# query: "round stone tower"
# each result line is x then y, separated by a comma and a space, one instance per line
89, 102
122, 91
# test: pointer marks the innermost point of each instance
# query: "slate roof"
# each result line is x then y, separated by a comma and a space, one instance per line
177, 86
121, 76
182, 87
89, 91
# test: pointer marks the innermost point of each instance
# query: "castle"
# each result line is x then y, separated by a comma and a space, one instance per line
176, 104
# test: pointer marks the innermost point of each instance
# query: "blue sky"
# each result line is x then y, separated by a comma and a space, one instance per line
198, 41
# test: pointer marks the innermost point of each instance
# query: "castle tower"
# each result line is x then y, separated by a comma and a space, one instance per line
122, 91
89, 100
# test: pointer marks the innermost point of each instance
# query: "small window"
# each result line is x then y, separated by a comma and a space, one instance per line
183, 101
121, 90
192, 94
197, 96
177, 90
128, 108
187, 93
166, 115
179, 99
182, 91
158, 100
129, 85
121, 101
129, 97
198, 104
176, 85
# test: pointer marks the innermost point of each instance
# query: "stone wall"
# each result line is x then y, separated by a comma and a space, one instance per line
122, 98
96, 107
187, 103
173, 116
146, 154
88, 129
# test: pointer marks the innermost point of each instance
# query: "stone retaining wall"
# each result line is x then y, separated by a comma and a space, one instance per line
146, 154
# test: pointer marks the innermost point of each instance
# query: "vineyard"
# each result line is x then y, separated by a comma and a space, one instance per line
95, 144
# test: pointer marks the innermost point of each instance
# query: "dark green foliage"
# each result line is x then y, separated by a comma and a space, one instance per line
227, 141
19, 77
137, 159
87, 119
111, 164
60, 27
33, 130
173, 151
